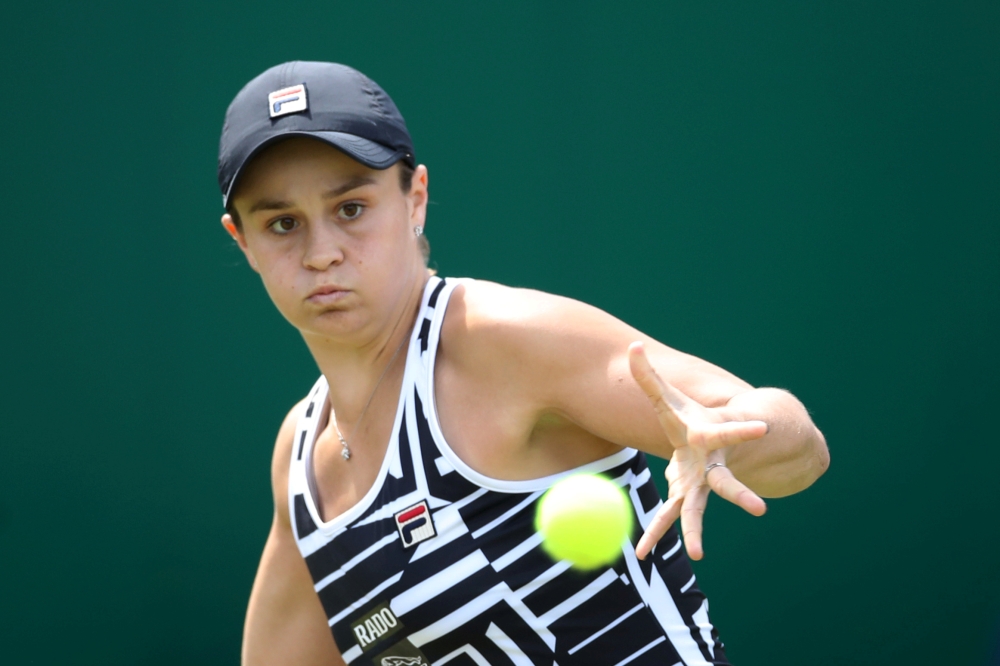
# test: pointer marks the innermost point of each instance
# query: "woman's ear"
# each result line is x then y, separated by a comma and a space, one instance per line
237, 235
417, 197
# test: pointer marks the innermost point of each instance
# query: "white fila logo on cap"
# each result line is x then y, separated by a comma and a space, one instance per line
415, 524
287, 100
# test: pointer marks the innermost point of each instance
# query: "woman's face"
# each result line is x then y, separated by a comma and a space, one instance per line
332, 239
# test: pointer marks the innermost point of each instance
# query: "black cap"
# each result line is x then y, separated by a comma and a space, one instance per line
324, 100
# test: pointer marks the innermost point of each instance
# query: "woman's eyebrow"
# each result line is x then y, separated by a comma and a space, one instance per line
269, 204
352, 184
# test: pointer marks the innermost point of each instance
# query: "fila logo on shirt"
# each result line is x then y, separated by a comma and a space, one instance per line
287, 100
415, 524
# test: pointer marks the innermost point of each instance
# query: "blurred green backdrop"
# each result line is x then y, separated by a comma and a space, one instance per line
804, 193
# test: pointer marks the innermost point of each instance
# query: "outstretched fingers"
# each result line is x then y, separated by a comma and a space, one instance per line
667, 401
696, 436
690, 508
692, 514
720, 435
733, 490
658, 526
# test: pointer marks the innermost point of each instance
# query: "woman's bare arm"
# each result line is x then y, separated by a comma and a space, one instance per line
565, 358
285, 623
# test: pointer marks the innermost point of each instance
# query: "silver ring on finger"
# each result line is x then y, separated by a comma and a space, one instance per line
710, 466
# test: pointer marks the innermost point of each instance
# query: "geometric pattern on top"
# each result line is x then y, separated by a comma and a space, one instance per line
471, 585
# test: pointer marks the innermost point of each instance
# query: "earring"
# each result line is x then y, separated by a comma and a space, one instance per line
418, 231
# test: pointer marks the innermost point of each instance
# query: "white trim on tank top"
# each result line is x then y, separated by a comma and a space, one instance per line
488, 482
355, 511
413, 359
391, 451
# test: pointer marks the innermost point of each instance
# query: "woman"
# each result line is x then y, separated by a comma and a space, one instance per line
405, 483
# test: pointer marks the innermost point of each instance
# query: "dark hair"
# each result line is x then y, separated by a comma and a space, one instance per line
405, 184
405, 176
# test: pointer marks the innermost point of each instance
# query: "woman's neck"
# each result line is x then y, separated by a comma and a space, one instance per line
356, 372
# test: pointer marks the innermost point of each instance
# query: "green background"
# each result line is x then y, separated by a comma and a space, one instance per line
805, 193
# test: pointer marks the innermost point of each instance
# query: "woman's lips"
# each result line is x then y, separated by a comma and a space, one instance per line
327, 295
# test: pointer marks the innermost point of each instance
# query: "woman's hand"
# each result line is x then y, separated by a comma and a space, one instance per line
700, 438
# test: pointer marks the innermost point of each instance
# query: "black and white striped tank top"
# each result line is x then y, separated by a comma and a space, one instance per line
439, 564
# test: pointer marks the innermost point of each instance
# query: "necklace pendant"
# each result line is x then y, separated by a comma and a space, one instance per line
346, 452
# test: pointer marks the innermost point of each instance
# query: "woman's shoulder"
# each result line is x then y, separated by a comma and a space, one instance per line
481, 312
282, 456
488, 320
486, 305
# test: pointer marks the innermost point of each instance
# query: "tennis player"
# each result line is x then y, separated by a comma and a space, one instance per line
405, 482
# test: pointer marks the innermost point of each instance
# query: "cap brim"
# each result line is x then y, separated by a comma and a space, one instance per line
365, 151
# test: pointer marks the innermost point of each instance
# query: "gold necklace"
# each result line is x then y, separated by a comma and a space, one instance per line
346, 452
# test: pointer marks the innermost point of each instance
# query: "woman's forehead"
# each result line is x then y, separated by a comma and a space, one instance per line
301, 163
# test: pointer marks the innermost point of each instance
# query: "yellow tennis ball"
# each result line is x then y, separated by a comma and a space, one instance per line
584, 519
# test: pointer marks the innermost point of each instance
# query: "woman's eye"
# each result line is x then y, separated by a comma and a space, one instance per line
283, 225
351, 211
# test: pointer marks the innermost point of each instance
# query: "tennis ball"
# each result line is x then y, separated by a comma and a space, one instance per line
583, 519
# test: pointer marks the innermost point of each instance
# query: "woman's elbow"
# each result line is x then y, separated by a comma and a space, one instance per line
819, 457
